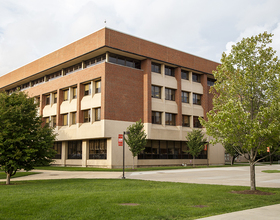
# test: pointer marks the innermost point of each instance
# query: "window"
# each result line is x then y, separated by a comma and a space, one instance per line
170, 119
98, 86
74, 118
210, 82
57, 147
184, 74
156, 92
124, 61
65, 119
196, 77
196, 122
95, 60
169, 71
65, 95
98, 149
53, 120
74, 150
186, 121
156, 117
55, 97
170, 94
25, 86
196, 99
86, 114
53, 76
47, 120
47, 99
87, 89
156, 68
97, 114
37, 81
74, 93
72, 69
185, 97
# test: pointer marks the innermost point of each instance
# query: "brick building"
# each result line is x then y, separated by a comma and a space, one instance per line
94, 88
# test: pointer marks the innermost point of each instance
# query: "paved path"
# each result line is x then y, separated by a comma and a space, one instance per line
219, 176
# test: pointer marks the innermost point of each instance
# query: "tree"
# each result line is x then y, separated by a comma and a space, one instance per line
24, 143
136, 139
246, 99
196, 143
231, 151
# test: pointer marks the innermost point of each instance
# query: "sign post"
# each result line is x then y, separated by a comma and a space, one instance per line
121, 140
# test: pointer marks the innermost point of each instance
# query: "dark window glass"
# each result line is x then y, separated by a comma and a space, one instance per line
74, 118
170, 119
156, 92
184, 74
196, 99
185, 97
156, 68
170, 94
86, 114
186, 121
37, 81
156, 117
74, 149
74, 92
65, 119
55, 98
98, 149
65, 95
196, 122
72, 69
95, 60
210, 82
53, 76
124, 61
53, 120
98, 86
57, 147
87, 89
47, 99
97, 114
121, 61
196, 77
169, 71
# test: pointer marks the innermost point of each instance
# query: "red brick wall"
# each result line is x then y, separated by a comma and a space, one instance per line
147, 91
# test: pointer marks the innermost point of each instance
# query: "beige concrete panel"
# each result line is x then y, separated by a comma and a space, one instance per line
170, 162
161, 132
77, 162
197, 88
171, 107
72, 105
158, 105
49, 110
198, 110
187, 109
157, 79
91, 101
170, 82
186, 85
85, 152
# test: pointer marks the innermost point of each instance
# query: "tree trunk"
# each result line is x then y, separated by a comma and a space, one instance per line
252, 176
133, 163
8, 179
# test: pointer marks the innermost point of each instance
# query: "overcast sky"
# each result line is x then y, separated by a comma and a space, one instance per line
30, 29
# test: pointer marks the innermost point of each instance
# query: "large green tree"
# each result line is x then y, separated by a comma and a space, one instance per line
136, 139
196, 143
231, 150
24, 142
246, 100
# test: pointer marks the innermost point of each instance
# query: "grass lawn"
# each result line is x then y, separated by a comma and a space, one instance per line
101, 199
271, 171
3, 175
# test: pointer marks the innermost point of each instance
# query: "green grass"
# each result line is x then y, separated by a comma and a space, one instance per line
271, 171
101, 199
3, 175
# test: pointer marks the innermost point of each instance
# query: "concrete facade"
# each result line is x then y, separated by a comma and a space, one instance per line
94, 88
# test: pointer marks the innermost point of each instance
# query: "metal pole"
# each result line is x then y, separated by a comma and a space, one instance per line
123, 177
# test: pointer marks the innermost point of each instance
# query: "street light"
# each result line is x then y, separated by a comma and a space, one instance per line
124, 133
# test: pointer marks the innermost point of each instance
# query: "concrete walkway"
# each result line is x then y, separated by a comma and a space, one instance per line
218, 176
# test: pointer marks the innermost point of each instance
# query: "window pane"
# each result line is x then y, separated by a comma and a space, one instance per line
65, 119
186, 121
196, 122
65, 95
55, 98
184, 75
87, 89
74, 118
156, 117
97, 114
156, 68
47, 99
86, 114
98, 86
195, 77
74, 93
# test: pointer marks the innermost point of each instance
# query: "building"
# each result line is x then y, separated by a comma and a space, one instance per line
94, 88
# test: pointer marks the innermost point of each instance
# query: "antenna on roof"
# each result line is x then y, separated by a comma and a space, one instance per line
105, 22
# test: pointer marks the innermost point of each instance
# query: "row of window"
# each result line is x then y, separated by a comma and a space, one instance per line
170, 119
156, 149
124, 61
170, 95
97, 149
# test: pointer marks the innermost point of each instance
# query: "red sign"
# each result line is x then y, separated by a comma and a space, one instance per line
267, 149
120, 140
205, 146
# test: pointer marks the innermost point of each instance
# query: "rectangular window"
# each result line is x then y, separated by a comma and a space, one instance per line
196, 122
47, 99
185, 74
196, 99
87, 89
156, 92
124, 61
37, 81
98, 149
98, 86
97, 114
156, 68
196, 77
156, 117
74, 150
53, 75
53, 120
47, 120
65, 119
86, 114
169, 71
55, 97
65, 95
72, 69
170, 119
74, 93
74, 117
170, 94
57, 147
210, 82
186, 121
185, 97
95, 60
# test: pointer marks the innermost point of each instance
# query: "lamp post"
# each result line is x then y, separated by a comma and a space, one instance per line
124, 133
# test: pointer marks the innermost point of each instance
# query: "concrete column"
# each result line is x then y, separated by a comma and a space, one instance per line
64, 152
85, 152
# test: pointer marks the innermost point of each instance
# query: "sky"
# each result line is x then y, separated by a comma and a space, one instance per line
30, 29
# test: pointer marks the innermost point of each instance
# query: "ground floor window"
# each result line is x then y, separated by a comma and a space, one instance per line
74, 149
57, 147
98, 149
161, 149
